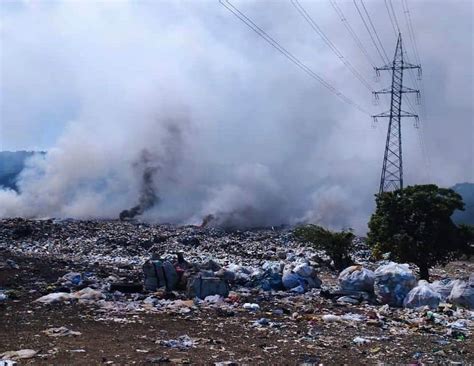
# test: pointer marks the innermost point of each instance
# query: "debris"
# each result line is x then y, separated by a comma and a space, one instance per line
300, 275
18, 355
393, 282
71, 279
422, 295
443, 287
251, 306
88, 294
55, 297
357, 278
330, 318
183, 342
359, 341
202, 287
3, 296
462, 293
159, 274
61, 332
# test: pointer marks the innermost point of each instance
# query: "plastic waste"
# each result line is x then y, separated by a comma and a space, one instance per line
88, 294
201, 287
330, 318
183, 342
61, 332
159, 274
393, 282
214, 299
357, 278
359, 341
462, 293
55, 297
3, 296
422, 295
251, 306
72, 279
300, 275
18, 355
443, 287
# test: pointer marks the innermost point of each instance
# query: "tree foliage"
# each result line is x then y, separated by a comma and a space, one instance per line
414, 225
337, 245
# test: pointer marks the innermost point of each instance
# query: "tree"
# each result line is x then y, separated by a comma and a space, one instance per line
337, 245
414, 225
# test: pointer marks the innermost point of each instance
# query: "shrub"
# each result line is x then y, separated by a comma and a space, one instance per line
337, 245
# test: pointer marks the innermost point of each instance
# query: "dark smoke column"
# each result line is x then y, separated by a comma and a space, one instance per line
148, 197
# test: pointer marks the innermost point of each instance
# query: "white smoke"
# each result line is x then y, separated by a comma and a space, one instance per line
236, 130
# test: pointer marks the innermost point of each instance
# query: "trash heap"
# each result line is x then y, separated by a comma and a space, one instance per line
263, 283
395, 285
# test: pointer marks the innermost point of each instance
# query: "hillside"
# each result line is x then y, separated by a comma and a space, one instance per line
466, 190
11, 164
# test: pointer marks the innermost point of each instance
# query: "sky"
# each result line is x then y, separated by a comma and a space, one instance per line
235, 128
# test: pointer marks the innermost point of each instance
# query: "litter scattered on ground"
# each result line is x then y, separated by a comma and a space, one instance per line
184, 342
19, 355
211, 292
61, 332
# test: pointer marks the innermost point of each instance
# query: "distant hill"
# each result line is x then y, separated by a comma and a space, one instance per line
11, 164
466, 190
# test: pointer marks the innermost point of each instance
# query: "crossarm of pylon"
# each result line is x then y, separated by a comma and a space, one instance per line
383, 91
407, 65
409, 90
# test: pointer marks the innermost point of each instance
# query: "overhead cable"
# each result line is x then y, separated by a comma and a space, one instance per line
251, 24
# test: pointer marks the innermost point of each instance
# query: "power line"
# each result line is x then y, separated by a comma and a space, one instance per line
406, 11
331, 45
394, 15
425, 154
351, 32
251, 24
396, 29
384, 60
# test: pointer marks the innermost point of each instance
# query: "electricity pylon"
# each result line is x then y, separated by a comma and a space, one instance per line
392, 170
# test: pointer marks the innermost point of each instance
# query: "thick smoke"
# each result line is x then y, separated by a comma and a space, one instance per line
182, 115
148, 196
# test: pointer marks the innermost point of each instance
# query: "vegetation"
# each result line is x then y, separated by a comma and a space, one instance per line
414, 225
337, 245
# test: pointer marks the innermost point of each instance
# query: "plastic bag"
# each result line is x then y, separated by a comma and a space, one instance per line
462, 293
443, 287
357, 278
422, 295
393, 282
302, 275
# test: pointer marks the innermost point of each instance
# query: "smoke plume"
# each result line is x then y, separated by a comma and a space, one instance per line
177, 113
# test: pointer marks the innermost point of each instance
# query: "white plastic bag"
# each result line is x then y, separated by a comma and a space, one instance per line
462, 293
357, 278
393, 282
443, 287
422, 295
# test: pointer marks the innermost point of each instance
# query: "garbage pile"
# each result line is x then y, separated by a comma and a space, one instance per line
264, 281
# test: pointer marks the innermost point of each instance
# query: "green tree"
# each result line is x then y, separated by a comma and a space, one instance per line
337, 245
414, 225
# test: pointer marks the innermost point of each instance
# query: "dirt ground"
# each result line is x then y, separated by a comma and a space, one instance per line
221, 337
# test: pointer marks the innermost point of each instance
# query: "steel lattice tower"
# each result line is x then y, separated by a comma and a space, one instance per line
392, 170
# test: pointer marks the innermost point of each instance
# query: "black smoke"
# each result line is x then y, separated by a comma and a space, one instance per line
148, 196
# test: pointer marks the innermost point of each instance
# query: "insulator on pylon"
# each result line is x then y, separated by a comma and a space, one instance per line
374, 122
419, 73
418, 98
416, 124
375, 99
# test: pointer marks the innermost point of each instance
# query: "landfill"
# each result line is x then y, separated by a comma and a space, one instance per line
125, 292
